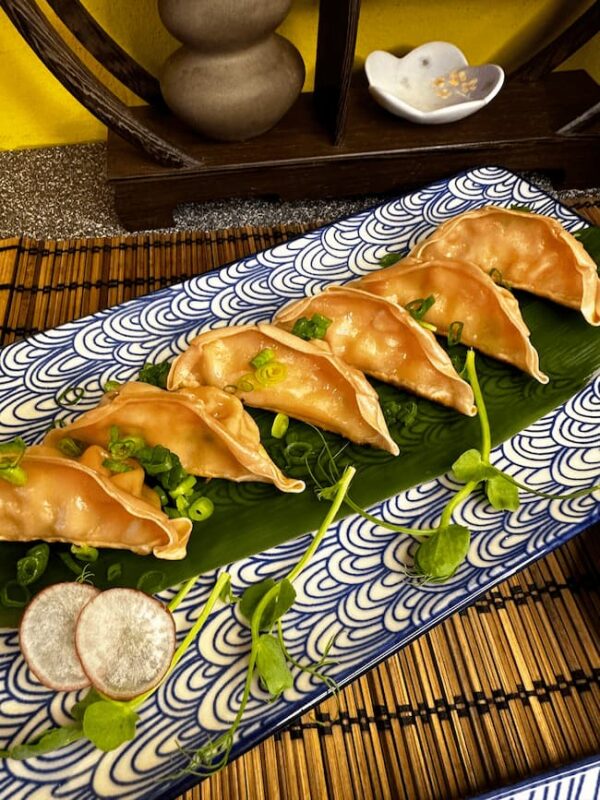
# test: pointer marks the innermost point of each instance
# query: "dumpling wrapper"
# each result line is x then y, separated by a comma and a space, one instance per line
67, 500
319, 388
491, 317
382, 339
209, 429
531, 251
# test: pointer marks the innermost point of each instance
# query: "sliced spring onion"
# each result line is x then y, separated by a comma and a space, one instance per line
70, 396
182, 504
246, 382
15, 475
11, 453
313, 328
185, 487
84, 552
262, 358
428, 326
33, 564
419, 307
151, 581
280, 426
389, 258
111, 386
162, 495
455, 333
115, 465
272, 373
14, 595
69, 447
114, 572
201, 509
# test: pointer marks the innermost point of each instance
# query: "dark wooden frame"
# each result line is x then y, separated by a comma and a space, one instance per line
336, 141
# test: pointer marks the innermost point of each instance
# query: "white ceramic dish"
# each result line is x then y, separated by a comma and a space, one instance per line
433, 84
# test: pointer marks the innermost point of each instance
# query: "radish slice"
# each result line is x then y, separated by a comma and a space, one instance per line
125, 640
47, 635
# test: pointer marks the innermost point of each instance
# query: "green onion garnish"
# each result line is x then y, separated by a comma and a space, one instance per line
15, 475
114, 572
33, 564
185, 487
69, 447
151, 582
122, 447
280, 426
70, 396
271, 373
155, 374
114, 465
246, 382
262, 358
84, 552
13, 595
182, 504
201, 509
455, 333
111, 386
389, 258
418, 308
11, 453
162, 495
313, 328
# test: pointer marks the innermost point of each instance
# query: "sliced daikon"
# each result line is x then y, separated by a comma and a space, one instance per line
125, 640
47, 635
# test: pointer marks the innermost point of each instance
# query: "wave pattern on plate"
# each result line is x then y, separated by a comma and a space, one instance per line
355, 586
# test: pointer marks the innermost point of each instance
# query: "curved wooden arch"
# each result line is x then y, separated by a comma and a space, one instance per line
86, 87
105, 50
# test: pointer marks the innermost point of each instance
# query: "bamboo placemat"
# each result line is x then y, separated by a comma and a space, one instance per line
508, 688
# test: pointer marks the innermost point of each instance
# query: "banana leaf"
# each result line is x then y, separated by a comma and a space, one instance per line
250, 518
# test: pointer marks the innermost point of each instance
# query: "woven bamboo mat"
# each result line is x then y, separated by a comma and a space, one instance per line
508, 688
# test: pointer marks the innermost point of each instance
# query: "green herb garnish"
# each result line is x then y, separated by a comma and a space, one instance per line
114, 572
83, 552
201, 509
419, 307
11, 454
111, 386
32, 566
155, 374
389, 259
455, 333
262, 358
70, 447
313, 328
280, 426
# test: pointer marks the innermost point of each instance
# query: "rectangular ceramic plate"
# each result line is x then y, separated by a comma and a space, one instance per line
354, 586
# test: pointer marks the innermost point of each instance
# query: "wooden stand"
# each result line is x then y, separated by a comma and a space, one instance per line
334, 142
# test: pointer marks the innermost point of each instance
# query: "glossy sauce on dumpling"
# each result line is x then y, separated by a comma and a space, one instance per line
490, 315
381, 338
530, 251
317, 388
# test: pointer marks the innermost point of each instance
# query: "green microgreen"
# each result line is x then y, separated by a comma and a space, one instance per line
155, 374
313, 328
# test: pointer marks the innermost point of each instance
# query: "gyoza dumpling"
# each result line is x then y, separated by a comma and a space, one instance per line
381, 338
81, 502
270, 368
206, 427
530, 251
490, 315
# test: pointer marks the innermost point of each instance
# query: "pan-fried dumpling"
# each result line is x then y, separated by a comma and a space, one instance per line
490, 315
382, 339
208, 429
270, 368
79, 501
532, 252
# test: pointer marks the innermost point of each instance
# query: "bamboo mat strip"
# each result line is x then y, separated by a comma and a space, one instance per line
505, 689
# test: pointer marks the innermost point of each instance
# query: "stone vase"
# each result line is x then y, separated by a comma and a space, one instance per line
233, 78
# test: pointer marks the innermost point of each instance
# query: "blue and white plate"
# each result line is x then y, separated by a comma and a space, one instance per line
354, 586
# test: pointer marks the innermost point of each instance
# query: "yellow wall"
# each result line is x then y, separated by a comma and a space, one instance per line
35, 110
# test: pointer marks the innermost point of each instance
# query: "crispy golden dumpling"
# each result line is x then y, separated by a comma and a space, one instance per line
530, 251
80, 502
208, 429
490, 315
302, 379
382, 339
